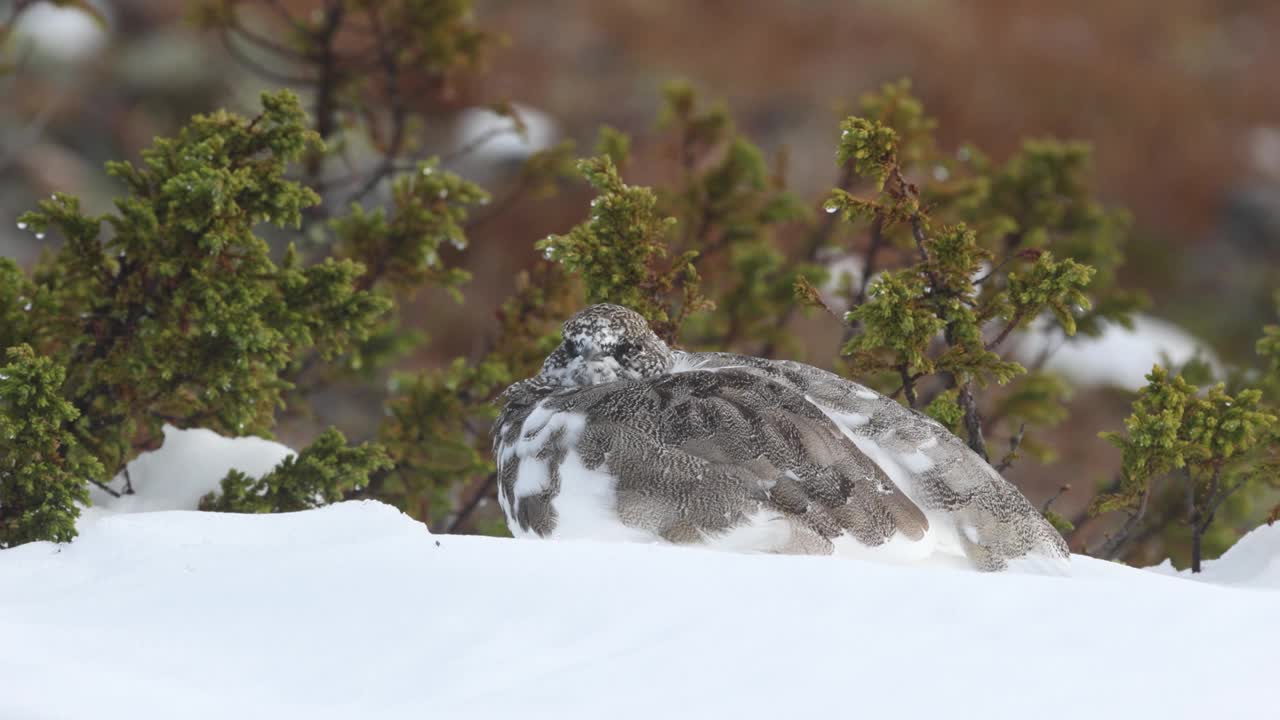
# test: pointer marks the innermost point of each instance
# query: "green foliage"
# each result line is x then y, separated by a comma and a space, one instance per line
180, 315
981, 251
697, 128
433, 430
546, 170
17, 300
1039, 200
730, 204
401, 248
1059, 523
1210, 443
42, 466
617, 252
870, 146
614, 144
899, 321
896, 108
325, 472
436, 430
1268, 349
946, 410
170, 309
1048, 284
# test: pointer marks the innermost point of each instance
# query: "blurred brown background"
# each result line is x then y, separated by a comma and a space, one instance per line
1179, 99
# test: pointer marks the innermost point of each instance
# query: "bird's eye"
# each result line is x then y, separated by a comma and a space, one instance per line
624, 348
570, 347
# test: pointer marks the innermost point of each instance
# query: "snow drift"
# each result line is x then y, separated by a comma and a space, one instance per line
356, 611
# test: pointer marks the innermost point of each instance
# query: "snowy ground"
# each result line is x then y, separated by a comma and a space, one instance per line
356, 611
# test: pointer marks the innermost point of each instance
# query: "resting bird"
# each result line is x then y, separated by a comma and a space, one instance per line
621, 438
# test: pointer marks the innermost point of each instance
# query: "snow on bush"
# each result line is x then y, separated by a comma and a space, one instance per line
1119, 357
189, 464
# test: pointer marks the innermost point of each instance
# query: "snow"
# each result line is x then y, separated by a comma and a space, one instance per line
1254, 561
63, 34
356, 610
495, 136
189, 464
1119, 357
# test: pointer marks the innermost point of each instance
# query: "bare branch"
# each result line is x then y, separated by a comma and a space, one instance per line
1009, 457
1044, 509
972, 421
869, 266
908, 385
399, 112
1014, 322
469, 507
255, 66
105, 488
1110, 548
820, 236
1222, 496
476, 143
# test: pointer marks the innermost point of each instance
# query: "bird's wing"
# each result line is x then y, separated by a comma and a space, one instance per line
972, 508
727, 458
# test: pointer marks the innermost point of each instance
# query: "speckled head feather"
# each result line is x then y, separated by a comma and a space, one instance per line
605, 343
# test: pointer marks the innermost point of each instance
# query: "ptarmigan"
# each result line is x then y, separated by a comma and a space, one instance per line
619, 437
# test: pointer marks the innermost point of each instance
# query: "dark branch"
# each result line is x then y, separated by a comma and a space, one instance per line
908, 385
869, 266
469, 507
1014, 322
105, 488
972, 421
399, 112
1111, 547
1062, 489
820, 236
257, 67
1007, 461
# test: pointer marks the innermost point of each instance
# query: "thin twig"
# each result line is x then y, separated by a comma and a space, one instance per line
399, 112
817, 239
24, 138
105, 488
902, 388
1014, 443
908, 385
995, 269
972, 421
1062, 489
464, 513
326, 88
268, 44
1009, 328
1221, 498
255, 66
1110, 548
869, 266
476, 143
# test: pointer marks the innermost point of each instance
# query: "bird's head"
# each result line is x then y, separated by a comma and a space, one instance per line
604, 343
